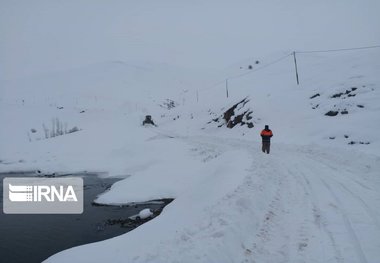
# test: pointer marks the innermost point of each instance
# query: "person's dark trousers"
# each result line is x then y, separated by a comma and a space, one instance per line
266, 147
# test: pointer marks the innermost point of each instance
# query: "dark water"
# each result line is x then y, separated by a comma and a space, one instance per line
33, 238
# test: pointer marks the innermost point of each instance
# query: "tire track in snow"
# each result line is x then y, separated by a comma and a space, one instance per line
369, 211
269, 230
348, 225
289, 225
328, 164
320, 219
254, 184
302, 236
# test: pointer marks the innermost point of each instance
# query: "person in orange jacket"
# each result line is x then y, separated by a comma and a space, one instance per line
266, 134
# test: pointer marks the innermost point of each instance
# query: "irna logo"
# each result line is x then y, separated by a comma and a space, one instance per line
36, 195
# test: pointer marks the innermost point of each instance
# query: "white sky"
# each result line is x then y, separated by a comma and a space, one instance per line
45, 35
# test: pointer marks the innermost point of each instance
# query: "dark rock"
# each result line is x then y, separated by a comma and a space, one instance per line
239, 119
360, 106
331, 138
347, 92
346, 136
83, 111
232, 120
315, 95
344, 112
352, 143
332, 113
337, 95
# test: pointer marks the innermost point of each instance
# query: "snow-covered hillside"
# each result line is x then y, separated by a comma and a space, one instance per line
315, 198
108, 102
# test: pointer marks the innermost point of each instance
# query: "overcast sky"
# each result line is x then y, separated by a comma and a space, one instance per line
39, 36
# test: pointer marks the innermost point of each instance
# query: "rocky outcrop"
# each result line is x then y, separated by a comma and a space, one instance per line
238, 114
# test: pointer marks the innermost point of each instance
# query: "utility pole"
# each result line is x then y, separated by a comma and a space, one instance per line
295, 65
197, 96
227, 87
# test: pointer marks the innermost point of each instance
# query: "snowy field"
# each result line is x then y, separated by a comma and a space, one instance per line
315, 198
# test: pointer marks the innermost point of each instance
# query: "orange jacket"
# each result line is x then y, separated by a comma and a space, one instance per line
266, 135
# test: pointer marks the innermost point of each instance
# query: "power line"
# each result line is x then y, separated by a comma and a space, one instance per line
246, 73
337, 50
214, 85
284, 57
241, 75
264, 66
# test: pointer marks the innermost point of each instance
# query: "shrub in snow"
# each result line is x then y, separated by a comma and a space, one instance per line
75, 129
58, 128
169, 104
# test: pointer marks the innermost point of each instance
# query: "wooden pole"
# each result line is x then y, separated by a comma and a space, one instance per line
227, 87
295, 65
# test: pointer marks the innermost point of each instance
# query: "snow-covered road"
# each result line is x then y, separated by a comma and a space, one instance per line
316, 206
298, 204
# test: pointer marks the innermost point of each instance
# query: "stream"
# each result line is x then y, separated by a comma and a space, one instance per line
35, 237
